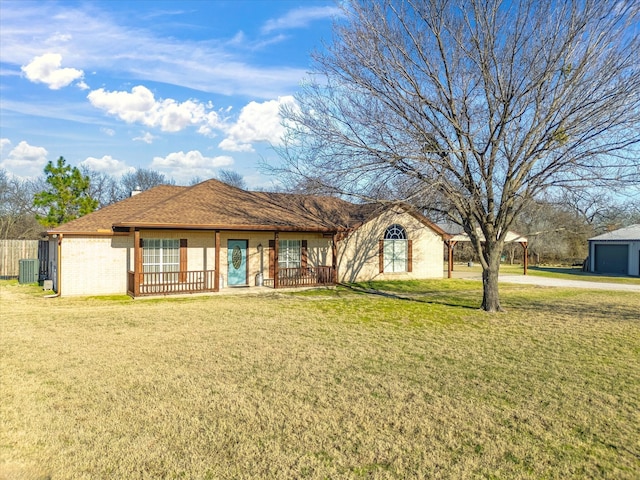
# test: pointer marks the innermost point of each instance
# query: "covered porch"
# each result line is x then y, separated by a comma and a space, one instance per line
250, 260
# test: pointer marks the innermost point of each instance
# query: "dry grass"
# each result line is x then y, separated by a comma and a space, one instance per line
329, 384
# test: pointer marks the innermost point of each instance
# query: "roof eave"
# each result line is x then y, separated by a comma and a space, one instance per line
86, 233
261, 228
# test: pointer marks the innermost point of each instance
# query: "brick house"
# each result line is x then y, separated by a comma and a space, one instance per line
212, 236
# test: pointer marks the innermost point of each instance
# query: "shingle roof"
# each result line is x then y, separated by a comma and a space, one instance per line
101, 221
631, 232
213, 204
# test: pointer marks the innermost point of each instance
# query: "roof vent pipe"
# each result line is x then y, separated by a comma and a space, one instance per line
136, 191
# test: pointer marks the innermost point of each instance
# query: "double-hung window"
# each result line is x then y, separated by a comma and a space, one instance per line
160, 256
395, 249
290, 254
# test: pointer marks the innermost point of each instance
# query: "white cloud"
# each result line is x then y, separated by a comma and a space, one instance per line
4, 143
47, 69
108, 131
57, 38
258, 122
130, 107
185, 166
300, 18
146, 137
231, 145
140, 106
94, 40
107, 164
24, 160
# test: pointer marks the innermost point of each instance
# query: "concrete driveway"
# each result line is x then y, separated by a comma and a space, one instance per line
560, 282
549, 282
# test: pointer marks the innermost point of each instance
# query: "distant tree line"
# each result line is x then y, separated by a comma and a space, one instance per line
558, 229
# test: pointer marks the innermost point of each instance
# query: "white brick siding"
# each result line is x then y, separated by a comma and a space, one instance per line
94, 266
358, 254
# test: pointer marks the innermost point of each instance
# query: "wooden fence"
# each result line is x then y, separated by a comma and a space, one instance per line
11, 252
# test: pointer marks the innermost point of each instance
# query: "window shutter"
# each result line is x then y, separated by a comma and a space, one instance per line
183, 260
303, 254
409, 255
272, 258
381, 255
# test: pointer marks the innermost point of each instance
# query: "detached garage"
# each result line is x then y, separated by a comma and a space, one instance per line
616, 252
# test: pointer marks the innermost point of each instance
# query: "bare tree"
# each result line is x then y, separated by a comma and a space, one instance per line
17, 214
480, 105
233, 178
102, 186
556, 231
142, 179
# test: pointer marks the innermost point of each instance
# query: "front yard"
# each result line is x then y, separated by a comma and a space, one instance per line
321, 384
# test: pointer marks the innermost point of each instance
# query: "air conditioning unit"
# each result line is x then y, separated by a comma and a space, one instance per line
28, 270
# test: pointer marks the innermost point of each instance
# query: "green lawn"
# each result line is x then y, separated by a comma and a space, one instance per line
412, 383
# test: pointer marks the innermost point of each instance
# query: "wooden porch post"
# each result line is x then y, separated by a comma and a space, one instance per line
216, 273
276, 269
525, 258
450, 245
137, 262
59, 264
334, 258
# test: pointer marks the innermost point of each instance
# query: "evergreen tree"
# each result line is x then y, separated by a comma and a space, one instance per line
66, 196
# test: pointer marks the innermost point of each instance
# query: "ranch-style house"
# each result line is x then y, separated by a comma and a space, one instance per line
212, 236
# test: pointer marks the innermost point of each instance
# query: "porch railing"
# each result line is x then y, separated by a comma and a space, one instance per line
305, 277
168, 283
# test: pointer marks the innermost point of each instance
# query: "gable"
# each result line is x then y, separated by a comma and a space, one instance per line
379, 217
412, 222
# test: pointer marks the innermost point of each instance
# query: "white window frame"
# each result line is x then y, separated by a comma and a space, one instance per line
396, 249
290, 254
160, 255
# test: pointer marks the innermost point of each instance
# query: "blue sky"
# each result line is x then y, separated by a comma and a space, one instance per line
182, 87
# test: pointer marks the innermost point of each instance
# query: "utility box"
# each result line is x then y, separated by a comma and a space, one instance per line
28, 270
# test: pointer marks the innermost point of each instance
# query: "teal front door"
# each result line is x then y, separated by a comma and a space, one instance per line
237, 262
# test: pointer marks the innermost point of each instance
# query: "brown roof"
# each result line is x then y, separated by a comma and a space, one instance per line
216, 205
101, 221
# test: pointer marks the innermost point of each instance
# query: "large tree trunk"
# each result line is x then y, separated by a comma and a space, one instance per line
490, 269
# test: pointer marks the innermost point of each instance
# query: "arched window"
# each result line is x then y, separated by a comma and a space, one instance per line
395, 255
395, 232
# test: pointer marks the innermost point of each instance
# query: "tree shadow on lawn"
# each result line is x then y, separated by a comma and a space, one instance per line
579, 304
566, 303
419, 297
577, 271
